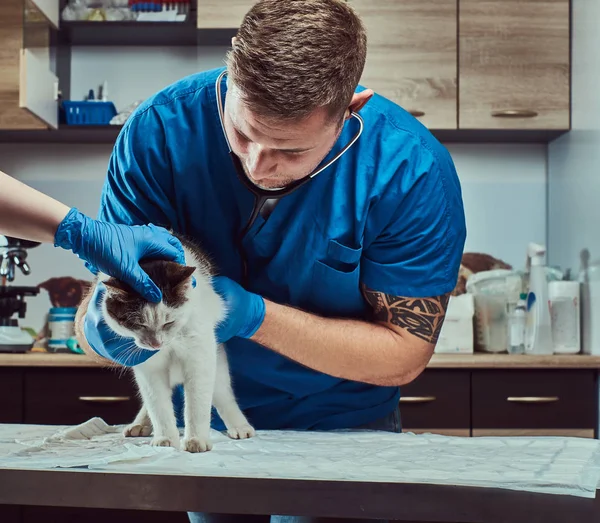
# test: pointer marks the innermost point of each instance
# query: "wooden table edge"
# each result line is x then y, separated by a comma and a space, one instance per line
346, 499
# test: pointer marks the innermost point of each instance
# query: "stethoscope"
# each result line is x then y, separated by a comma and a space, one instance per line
261, 196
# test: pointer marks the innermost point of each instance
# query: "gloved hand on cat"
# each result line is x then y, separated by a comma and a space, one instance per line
117, 249
246, 310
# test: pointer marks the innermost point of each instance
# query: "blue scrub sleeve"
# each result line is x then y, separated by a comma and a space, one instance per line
136, 192
139, 185
419, 251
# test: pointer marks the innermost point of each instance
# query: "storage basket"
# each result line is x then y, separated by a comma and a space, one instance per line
88, 113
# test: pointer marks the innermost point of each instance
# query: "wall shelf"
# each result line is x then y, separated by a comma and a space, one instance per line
142, 34
107, 134
68, 134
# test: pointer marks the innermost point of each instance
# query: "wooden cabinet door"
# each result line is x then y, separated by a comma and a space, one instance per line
28, 88
222, 14
12, 117
63, 396
514, 64
11, 396
438, 401
10, 514
534, 402
412, 55
49, 9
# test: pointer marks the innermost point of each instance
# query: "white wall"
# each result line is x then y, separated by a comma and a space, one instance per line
574, 159
504, 186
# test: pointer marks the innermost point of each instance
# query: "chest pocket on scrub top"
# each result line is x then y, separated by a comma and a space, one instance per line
335, 282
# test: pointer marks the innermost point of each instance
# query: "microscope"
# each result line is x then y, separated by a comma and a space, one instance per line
13, 255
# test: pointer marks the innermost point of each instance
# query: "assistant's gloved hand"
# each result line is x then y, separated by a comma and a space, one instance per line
104, 341
245, 310
117, 249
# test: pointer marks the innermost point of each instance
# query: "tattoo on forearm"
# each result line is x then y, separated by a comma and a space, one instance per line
422, 317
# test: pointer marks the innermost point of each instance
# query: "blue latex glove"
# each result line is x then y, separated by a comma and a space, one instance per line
246, 310
103, 339
117, 249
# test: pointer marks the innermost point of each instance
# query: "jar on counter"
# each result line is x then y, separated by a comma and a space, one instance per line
61, 327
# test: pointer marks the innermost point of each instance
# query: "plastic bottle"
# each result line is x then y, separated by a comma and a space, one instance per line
538, 339
516, 327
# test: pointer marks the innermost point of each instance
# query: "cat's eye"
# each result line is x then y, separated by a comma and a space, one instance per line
168, 324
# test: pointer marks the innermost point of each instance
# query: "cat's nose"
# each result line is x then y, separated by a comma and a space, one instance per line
154, 343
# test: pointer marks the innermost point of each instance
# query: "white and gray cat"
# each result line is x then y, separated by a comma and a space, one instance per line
181, 329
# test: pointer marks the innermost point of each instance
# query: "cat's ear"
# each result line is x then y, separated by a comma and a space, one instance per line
115, 288
180, 275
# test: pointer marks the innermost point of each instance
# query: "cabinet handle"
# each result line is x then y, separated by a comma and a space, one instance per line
514, 113
416, 114
417, 399
104, 399
532, 399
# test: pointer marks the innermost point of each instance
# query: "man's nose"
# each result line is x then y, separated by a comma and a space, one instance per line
260, 163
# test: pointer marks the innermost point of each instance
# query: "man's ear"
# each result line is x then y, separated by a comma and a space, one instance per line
358, 101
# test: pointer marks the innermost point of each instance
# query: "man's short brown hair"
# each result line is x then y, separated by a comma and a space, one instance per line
294, 56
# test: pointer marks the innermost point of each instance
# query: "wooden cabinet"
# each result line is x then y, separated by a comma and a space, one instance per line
10, 514
222, 14
11, 395
514, 64
79, 515
72, 396
437, 401
534, 402
28, 88
412, 56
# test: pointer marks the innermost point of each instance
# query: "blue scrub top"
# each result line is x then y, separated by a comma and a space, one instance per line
388, 214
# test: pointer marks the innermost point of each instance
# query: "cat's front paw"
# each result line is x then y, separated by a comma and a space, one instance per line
165, 442
137, 431
197, 444
243, 432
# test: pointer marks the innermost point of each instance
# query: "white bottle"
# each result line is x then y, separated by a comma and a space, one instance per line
516, 327
538, 338
565, 314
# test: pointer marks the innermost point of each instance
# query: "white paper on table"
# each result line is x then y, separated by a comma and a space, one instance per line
552, 465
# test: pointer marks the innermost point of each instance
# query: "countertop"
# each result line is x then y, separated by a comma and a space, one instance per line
439, 361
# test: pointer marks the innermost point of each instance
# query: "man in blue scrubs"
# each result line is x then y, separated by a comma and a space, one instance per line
338, 290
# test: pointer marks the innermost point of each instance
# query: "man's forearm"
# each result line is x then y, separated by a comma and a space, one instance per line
350, 349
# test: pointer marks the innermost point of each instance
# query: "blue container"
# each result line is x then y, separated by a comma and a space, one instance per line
88, 113
61, 321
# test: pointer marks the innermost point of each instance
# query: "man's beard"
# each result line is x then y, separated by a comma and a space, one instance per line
278, 182
282, 181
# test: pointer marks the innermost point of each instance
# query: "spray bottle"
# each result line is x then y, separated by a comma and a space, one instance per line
538, 338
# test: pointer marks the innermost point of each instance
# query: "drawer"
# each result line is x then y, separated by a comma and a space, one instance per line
10, 514
11, 392
87, 515
72, 396
437, 401
560, 400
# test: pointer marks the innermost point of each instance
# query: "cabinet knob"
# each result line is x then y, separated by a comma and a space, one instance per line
417, 399
532, 399
104, 399
514, 113
416, 114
